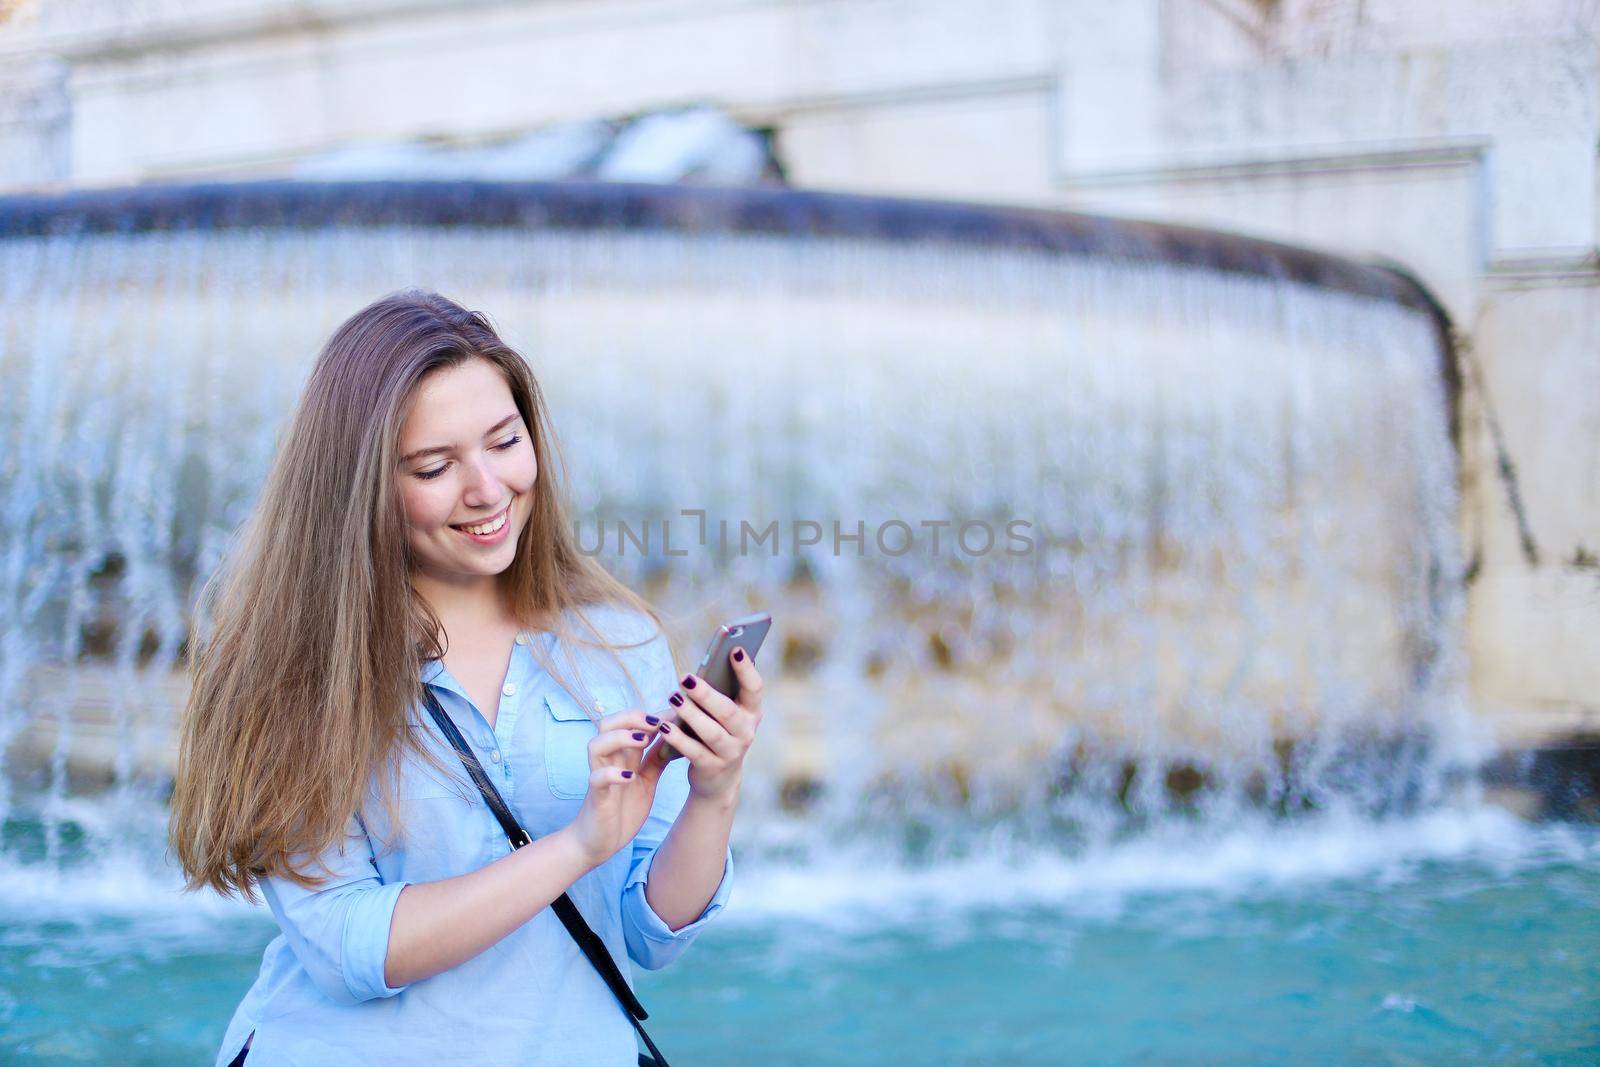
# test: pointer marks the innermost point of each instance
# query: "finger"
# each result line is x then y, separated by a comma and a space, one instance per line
711, 733
614, 745
603, 777
628, 719
744, 669
635, 721
663, 751
692, 750
655, 760
729, 715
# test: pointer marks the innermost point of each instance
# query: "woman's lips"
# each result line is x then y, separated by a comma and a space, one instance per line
503, 518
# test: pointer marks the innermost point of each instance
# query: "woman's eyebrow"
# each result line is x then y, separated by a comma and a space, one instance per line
491, 431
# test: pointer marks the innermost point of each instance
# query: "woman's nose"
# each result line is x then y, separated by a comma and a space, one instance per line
483, 489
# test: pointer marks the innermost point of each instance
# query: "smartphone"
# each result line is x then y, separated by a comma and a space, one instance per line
746, 633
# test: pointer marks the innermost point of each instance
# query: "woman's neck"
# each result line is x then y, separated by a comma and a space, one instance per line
465, 608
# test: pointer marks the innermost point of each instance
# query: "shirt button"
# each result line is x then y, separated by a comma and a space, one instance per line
522, 639
600, 706
495, 755
509, 689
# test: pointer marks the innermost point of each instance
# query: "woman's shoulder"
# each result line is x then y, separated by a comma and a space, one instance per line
616, 623
642, 650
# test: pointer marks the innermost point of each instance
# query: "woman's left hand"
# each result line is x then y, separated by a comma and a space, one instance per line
727, 728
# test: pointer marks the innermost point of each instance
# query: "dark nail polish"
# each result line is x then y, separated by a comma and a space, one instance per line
688, 681
738, 655
638, 736
675, 700
651, 719
666, 727
627, 774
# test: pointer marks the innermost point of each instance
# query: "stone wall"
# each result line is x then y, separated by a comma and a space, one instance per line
1455, 138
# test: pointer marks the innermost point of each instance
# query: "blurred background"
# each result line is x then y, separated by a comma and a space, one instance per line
1195, 657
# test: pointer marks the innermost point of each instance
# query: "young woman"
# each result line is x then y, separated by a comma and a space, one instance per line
412, 538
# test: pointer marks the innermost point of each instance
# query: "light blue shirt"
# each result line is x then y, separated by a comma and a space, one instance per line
532, 998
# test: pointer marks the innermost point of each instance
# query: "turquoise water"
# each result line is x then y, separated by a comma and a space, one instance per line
1443, 940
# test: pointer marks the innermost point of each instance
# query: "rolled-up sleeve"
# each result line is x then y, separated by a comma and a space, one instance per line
653, 944
339, 930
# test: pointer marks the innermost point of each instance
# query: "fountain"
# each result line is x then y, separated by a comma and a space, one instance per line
1054, 512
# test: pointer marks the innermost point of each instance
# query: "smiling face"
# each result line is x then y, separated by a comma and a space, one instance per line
467, 472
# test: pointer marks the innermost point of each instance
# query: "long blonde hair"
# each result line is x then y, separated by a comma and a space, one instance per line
303, 682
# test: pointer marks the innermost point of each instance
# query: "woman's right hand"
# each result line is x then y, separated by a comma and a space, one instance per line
620, 790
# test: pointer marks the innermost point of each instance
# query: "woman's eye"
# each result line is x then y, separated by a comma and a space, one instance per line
501, 447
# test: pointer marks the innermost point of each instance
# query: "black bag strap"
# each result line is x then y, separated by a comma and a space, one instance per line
588, 941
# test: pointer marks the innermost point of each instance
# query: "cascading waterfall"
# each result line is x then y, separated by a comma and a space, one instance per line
1196, 551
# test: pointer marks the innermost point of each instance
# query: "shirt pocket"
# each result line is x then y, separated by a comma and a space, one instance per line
568, 729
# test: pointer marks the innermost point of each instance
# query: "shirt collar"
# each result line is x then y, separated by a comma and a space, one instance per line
433, 671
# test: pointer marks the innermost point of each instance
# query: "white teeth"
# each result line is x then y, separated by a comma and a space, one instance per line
488, 527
